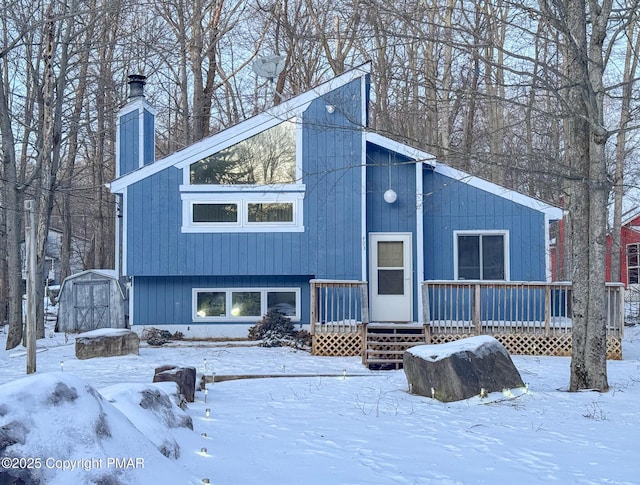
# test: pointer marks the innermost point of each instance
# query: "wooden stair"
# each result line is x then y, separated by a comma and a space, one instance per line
385, 343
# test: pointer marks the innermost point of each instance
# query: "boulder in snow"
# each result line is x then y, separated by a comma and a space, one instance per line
460, 370
185, 377
107, 342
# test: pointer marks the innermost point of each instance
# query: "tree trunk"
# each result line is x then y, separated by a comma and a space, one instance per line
12, 199
586, 140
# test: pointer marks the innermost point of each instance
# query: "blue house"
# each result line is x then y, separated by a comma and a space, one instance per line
216, 234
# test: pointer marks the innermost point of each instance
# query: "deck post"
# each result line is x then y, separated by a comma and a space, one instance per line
364, 298
363, 333
314, 307
426, 310
547, 310
476, 308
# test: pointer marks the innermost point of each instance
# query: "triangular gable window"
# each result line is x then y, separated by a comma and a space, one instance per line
266, 158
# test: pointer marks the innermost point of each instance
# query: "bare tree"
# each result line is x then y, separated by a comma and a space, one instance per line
629, 76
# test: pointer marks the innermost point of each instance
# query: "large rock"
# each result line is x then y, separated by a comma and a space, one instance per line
185, 377
107, 342
460, 370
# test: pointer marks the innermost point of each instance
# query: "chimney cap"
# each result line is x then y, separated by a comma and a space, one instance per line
136, 85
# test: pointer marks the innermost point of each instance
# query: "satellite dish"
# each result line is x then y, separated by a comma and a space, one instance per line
268, 66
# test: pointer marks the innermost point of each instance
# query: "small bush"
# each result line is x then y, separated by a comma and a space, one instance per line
276, 330
156, 337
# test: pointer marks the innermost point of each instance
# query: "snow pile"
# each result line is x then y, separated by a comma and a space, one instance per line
365, 429
57, 429
153, 412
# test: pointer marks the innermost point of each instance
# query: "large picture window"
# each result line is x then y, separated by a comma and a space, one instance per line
481, 256
244, 304
251, 186
263, 159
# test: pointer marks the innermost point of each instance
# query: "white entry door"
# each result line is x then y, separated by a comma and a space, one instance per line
390, 277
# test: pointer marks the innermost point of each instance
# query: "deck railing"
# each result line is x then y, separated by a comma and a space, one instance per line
481, 307
338, 306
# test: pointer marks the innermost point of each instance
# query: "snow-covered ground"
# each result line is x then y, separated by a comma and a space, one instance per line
363, 429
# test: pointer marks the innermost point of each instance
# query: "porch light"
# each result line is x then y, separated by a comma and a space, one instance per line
330, 108
62, 366
207, 412
390, 196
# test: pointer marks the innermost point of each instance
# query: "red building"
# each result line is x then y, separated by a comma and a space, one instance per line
629, 254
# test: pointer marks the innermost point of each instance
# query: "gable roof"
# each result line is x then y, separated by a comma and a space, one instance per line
554, 213
240, 131
401, 148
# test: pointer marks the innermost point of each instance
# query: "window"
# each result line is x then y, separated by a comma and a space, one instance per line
633, 264
270, 212
244, 304
247, 212
220, 213
250, 186
481, 256
263, 159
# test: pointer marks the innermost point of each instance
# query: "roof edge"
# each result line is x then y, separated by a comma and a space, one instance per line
246, 126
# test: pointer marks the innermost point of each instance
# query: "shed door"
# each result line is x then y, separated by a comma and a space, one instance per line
390, 276
91, 304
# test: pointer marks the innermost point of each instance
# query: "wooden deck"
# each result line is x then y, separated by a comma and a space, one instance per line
528, 318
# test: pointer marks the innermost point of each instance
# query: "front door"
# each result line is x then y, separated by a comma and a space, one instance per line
390, 277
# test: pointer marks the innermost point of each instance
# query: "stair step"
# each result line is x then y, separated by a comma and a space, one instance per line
385, 352
384, 361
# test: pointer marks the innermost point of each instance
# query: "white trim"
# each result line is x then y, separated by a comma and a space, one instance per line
125, 232
419, 241
117, 145
130, 294
274, 188
242, 201
547, 249
402, 149
481, 232
554, 213
141, 137
228, 308
240, 131
363, 185
118, 243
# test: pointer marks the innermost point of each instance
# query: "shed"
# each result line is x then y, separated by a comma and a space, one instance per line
92, 299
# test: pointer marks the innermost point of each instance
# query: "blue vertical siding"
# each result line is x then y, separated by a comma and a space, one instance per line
168, 300
451, 205
149, 137
129, 142
387, 169
329, 247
